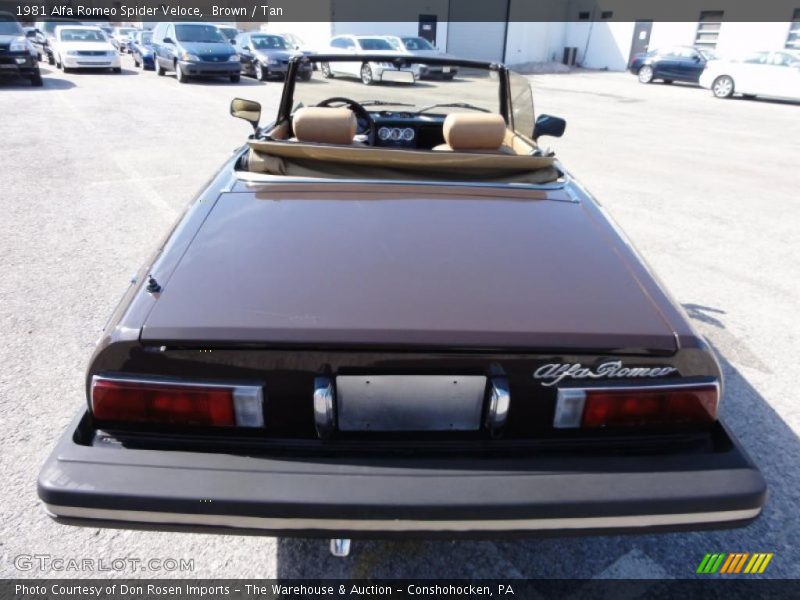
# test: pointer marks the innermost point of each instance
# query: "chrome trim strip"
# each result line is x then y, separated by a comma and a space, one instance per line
324, 410
277, 524
499, 401
250, 177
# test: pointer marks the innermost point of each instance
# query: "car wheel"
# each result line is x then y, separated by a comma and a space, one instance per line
260, 74
117, 69
50, 59
723, 86
646, 74
326, 70
36, 79
58, 63
235, 78
136, 62
179, 74
448, 77
305, 75
366, 75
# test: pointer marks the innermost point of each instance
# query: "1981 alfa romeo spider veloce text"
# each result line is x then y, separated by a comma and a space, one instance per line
393, 312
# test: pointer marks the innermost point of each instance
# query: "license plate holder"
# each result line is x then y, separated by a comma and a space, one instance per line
410, 402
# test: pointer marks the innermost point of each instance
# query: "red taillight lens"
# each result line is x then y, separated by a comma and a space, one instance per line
175, 404
626, 407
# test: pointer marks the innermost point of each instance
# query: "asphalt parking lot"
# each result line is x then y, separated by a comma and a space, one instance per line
95, 168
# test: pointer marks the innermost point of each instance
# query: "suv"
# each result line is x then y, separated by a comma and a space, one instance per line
194, 49
17, 56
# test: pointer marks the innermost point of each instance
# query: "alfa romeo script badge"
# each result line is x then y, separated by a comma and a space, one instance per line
555, 372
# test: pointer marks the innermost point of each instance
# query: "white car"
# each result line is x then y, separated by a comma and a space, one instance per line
372, 71
774, 74
84, 48
121, 37
419, 46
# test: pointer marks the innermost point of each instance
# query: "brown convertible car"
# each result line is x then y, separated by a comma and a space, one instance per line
394, 313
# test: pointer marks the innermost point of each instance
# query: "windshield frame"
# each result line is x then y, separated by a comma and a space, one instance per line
402, 60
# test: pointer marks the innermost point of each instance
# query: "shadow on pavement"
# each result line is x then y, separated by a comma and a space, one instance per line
766, 437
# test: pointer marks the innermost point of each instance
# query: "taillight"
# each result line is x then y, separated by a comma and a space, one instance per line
146, 401
636, 406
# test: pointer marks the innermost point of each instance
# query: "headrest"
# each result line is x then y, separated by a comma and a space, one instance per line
472, 131
324, 125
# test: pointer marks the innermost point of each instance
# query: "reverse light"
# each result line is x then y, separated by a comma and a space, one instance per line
148, 401
689, 403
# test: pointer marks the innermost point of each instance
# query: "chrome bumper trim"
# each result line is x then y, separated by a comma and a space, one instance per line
277, 524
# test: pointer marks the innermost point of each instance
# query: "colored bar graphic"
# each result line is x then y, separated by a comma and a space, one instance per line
734, 563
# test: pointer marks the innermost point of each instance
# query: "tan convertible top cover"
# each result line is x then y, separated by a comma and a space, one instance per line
303, 159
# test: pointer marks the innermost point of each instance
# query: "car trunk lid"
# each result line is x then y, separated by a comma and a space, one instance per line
406, 266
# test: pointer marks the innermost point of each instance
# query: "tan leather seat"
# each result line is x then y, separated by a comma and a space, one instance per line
324, 125
474, 132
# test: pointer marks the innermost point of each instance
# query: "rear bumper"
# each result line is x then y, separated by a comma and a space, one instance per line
407, 497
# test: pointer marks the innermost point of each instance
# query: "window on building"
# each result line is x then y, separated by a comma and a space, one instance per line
584, 15
708, 29
607, 14
793, 39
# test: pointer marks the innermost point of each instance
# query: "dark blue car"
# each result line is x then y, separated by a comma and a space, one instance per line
676, 63
141, 49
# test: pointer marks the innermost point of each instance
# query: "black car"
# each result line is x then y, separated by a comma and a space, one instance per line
17, 56
265, 55
676, 63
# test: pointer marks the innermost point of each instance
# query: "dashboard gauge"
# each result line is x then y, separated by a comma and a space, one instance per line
408, 134
396, 134
384, 133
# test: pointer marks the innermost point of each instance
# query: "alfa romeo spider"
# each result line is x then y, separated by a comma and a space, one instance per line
391, 313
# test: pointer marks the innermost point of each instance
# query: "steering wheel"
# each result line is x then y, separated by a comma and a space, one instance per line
365, 124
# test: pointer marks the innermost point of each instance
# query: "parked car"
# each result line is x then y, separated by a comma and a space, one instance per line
84, 47
47, 30
265, 56
773, 74
419, 46
141, 49
446, 336
676, 63
370, 72
122, 37
229, 32
194, 49
296, 42
17, 55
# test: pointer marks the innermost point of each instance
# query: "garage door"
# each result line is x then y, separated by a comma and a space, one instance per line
477, 29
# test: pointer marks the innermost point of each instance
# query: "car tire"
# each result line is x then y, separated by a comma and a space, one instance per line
50, 59
179, 74
36, 79
136, 62
645, 74
157, 68
58, 63
723, 86
235, 78
366, 75
117, 69
448, 77
259, 72
326, 70
305, 76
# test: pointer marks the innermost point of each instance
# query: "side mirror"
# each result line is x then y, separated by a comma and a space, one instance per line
30, 34
168, 41
249, 110
548, 125
233, 42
